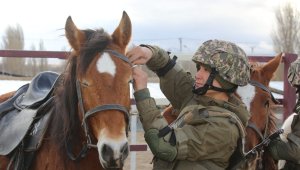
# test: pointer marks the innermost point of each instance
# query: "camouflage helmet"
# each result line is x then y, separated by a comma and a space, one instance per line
294, 73
229, 60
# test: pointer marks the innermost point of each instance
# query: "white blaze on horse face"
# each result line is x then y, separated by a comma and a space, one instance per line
247, 94
106, 65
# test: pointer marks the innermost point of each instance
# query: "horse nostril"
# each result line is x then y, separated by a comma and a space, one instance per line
107, 152
124, 152
124, 148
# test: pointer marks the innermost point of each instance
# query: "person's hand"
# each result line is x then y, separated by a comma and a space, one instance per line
139, 55
140, 78
272, 148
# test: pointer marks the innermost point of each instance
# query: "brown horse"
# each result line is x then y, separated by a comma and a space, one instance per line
258, 100
89, 119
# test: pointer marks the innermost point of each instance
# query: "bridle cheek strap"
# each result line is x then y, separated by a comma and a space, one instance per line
264, 88
96, 109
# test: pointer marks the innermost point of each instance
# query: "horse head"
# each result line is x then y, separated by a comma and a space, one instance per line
95, 93
259, 101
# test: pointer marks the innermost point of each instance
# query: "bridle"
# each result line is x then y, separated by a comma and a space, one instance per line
253, 126
88, 145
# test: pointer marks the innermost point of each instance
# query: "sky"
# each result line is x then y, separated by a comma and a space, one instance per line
248, 23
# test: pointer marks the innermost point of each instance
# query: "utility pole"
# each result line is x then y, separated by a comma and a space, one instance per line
180, 44
252, 49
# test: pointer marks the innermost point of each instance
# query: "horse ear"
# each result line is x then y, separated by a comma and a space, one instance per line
269, 68
75, 36
122, 34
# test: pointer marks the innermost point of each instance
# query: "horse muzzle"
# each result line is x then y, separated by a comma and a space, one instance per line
113, 154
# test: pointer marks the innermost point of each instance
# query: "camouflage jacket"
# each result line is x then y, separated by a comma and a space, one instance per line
208, 138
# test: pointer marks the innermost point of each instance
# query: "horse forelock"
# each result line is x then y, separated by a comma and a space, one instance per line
96, 42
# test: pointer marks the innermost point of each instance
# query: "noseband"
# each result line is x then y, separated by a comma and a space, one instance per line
94, 110
252, 125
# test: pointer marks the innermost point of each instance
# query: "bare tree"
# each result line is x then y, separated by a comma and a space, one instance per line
13, 39
32, 63
286, 36
43, 61
36, 65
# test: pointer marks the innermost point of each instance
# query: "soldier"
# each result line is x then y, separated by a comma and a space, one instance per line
211, 118
290, 150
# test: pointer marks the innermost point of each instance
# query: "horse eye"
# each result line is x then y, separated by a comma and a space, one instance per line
85, 83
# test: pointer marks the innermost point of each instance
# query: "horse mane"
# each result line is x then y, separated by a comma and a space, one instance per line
272, 124
66, 121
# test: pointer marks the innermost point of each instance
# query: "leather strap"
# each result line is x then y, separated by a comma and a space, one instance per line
263, 87
163, 71
119, 55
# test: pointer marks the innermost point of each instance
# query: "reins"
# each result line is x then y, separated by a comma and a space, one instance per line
88, 144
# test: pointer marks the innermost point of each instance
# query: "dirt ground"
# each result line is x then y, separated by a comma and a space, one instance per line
143, 158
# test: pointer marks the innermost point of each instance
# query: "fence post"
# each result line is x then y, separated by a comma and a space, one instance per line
133, 130
289, 95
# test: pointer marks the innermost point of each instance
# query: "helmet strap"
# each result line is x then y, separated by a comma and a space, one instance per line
231, 90
209, 85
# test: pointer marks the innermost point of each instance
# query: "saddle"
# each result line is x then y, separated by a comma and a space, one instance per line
25, 116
